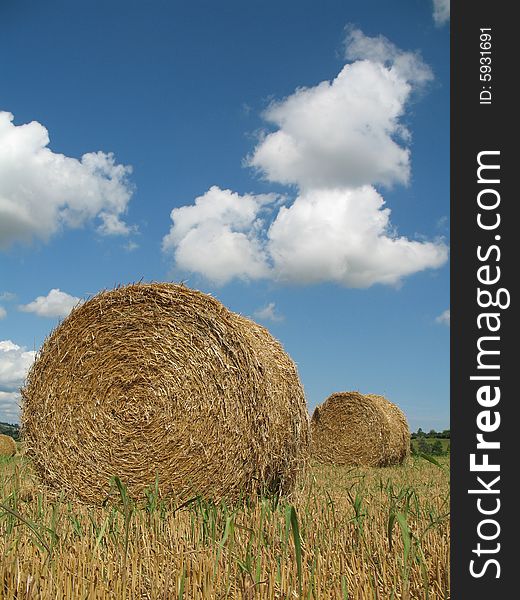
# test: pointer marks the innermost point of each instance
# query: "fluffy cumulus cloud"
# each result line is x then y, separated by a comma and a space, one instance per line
441, 11
268, 313
220, 235
55, 304
42, 191
444, 318
333, 143
15, 361
345, 236
14, 364
345, 132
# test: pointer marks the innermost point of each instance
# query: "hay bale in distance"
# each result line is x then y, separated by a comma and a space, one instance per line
399, 441
350, 428
160, 380
7, 445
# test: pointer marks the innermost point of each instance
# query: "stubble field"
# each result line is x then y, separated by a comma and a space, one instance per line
361, 534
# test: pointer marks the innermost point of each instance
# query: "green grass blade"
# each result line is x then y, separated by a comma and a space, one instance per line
297, 545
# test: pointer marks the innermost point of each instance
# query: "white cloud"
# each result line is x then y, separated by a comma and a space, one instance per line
112, 225
347, 132
3, 312
339, 235
441, 11
444, 318
15, 361
14, 364
408, 66
334, 142
269, 313
218, 236
345, 236
9, 407
42, 191
55, 304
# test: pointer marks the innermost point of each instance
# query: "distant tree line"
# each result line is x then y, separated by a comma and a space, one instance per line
432, 443
432, 434
10, 429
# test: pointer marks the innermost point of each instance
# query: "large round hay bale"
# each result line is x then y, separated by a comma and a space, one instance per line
158, 380
399, 440
289, 428
7, 445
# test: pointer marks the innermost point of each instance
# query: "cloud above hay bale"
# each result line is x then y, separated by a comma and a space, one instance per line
55, 304
3, 312
327, 235
345, 236
219, 235
334, 142
346, 132
42, 192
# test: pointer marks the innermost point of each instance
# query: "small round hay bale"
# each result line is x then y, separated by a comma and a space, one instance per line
7, 445
350, 429
399, 441
158, 380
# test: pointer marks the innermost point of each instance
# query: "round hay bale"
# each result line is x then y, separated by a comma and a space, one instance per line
158, 380
399, 441
350, 429
289, 430
7, 445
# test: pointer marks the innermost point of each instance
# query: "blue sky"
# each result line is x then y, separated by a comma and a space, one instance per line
275, 130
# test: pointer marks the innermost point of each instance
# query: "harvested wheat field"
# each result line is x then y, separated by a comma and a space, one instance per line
163, 387
7, 445
351, 428
349, 533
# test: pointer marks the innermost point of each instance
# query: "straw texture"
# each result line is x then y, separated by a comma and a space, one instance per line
288, 440
7, 445
158, 380
350, 428
399, 440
